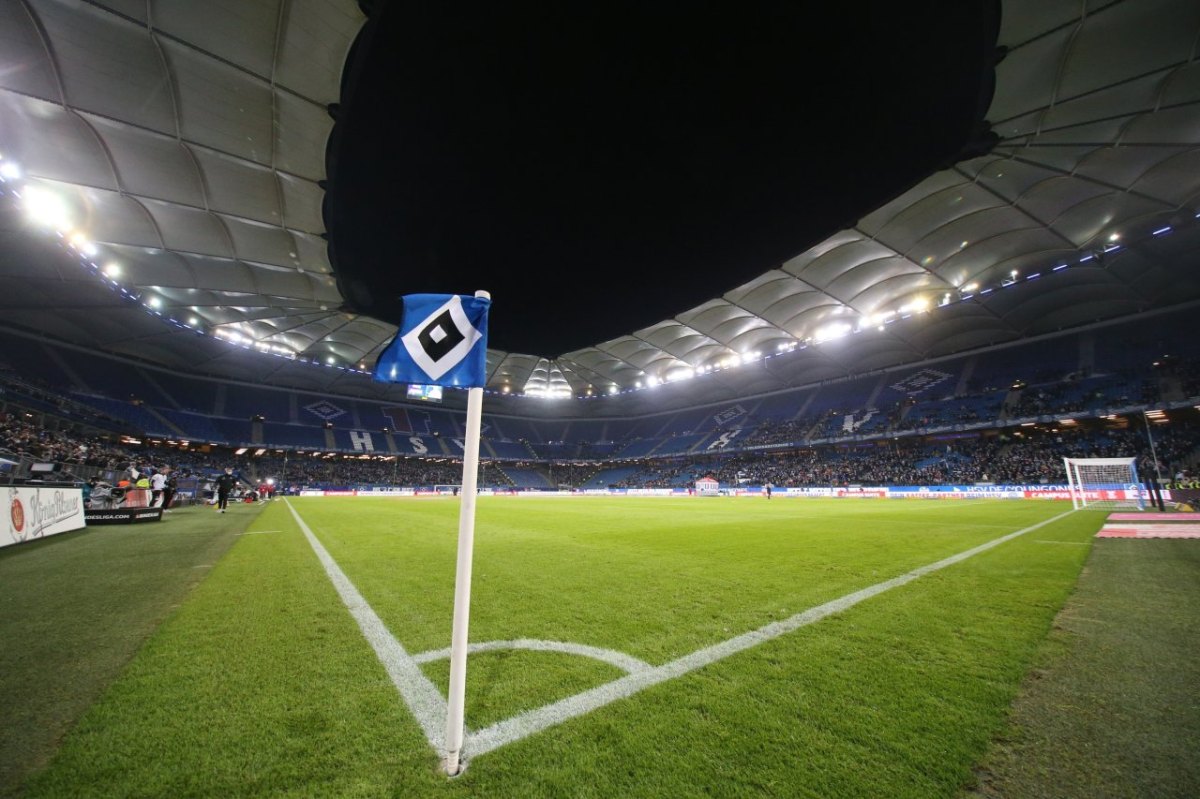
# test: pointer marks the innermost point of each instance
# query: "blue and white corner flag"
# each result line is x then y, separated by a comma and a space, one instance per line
442, 341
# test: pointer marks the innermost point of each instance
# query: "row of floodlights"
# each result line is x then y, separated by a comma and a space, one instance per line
48, 209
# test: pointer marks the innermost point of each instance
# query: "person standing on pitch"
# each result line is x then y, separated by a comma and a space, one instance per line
158, 484
224, 488
169, 487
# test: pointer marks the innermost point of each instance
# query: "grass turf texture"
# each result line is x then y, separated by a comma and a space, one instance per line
75, 608
262, 684
1118, 678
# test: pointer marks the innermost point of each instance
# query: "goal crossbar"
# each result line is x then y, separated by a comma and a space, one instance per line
1104, 483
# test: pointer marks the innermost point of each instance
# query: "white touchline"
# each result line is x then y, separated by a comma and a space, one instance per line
518, 727
427, 704
429, 707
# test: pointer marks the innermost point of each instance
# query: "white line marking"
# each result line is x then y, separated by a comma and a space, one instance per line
1067, 543
525, 724
626, 663
427, 704
260, 532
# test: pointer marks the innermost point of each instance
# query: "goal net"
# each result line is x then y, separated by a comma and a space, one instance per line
1104, 483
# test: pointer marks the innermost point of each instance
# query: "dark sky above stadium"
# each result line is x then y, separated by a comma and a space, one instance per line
601, 167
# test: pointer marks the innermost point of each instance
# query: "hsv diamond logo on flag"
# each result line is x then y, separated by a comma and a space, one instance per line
442, 341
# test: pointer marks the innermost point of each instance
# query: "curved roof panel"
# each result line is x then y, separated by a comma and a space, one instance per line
188, 149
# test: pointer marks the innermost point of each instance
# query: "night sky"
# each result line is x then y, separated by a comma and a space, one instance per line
602, 167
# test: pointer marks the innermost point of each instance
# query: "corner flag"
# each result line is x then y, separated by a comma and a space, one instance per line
442, 341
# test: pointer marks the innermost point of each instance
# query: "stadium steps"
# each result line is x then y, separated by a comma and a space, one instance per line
62, 364
154, 384
819, 426
167, 423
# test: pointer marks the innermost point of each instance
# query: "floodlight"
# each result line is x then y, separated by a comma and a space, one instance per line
45, 207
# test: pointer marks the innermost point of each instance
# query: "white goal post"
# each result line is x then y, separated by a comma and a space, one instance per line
1105, 483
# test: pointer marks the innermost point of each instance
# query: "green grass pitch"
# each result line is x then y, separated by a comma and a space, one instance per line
261, 683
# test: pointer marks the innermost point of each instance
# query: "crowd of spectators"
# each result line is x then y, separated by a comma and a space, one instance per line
21, 436
570, 475
1016, 458
308, 470
1013, 455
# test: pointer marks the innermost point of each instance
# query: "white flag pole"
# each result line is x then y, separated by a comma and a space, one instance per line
462, 578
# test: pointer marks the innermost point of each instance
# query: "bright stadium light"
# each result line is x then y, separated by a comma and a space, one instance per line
81, 243
112, 269
46, 208
193, 321
9, 170
154, 301
832, 331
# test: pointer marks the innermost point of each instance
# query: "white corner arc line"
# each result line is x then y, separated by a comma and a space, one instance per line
624, 662
528, 723
424, 700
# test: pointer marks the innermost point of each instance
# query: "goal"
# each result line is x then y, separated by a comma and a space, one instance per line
452, 490
1104, 483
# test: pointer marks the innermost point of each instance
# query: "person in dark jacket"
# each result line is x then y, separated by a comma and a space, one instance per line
224, 488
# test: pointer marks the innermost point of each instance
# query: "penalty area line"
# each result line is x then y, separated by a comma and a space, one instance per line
533, 721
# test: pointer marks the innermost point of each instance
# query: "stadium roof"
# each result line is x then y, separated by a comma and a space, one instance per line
184, 154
